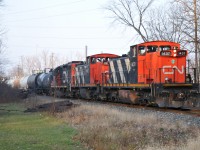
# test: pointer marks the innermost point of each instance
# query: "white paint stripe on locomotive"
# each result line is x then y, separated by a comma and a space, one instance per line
82, 74
77, 75
121, 71
127, 61
113, 72
65, 73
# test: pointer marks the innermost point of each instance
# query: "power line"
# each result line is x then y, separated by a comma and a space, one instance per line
64, 14
49, 47
70, 38
42, 8
61, 27
44, 47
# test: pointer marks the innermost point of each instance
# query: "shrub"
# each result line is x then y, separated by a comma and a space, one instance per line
8, 94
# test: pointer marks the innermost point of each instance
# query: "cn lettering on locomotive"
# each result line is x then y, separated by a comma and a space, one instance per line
172, 68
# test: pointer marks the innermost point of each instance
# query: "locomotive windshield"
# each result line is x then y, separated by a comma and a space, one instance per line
142, 50
152, 49
96, 60
164, 48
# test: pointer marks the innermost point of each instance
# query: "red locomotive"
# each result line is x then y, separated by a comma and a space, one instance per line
151, 73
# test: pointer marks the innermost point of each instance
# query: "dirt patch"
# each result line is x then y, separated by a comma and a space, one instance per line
52, 107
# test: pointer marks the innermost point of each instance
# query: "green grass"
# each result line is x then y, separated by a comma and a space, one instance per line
30, 131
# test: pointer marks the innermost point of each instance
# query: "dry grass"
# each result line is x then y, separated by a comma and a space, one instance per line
191, 144
105, 128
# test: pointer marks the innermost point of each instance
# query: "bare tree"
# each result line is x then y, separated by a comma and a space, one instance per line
32, 63
16, 71
167, 25
79, 56
131, 13
3, 60
28, 64
45, 58
59, 60
190, 15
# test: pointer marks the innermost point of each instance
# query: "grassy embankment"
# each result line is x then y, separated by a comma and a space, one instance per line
105, 128
21, 131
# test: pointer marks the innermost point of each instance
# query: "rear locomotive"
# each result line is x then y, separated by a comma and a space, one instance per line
64, 79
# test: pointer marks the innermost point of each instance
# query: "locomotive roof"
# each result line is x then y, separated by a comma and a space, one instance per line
103, 55
69, 63
159, 42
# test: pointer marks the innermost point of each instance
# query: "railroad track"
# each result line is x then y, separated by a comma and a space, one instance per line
186, 111
192, 112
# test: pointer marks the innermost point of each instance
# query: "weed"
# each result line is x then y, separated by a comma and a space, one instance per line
107, 128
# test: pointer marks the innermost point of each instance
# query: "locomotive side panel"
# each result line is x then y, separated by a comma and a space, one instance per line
82, 75
119, 70
133, 73
124, 69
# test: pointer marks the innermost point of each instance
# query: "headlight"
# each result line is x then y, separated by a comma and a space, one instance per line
181, 95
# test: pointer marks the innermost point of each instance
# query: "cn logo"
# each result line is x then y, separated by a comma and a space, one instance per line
170, 70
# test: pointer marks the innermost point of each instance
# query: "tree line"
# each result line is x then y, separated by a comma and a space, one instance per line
45, 60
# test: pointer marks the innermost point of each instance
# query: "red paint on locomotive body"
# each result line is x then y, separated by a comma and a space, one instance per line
73, 65
161, 62
99, 66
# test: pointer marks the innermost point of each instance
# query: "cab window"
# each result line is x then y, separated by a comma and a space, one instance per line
175, 48
152, 49
165, 48
142, 50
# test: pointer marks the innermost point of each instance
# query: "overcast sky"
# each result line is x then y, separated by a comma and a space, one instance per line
62, 27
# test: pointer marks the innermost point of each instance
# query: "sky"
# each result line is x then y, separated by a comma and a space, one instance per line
62, 27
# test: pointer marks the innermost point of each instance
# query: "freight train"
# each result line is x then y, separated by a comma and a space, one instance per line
151, 73
38, 82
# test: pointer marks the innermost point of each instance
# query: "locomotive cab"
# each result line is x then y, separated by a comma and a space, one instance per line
161, 62
94, 70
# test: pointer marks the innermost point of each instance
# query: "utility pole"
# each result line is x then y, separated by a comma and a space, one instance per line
52, 55
22, 65
196, 39
18, 71
188, 65
86, 49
